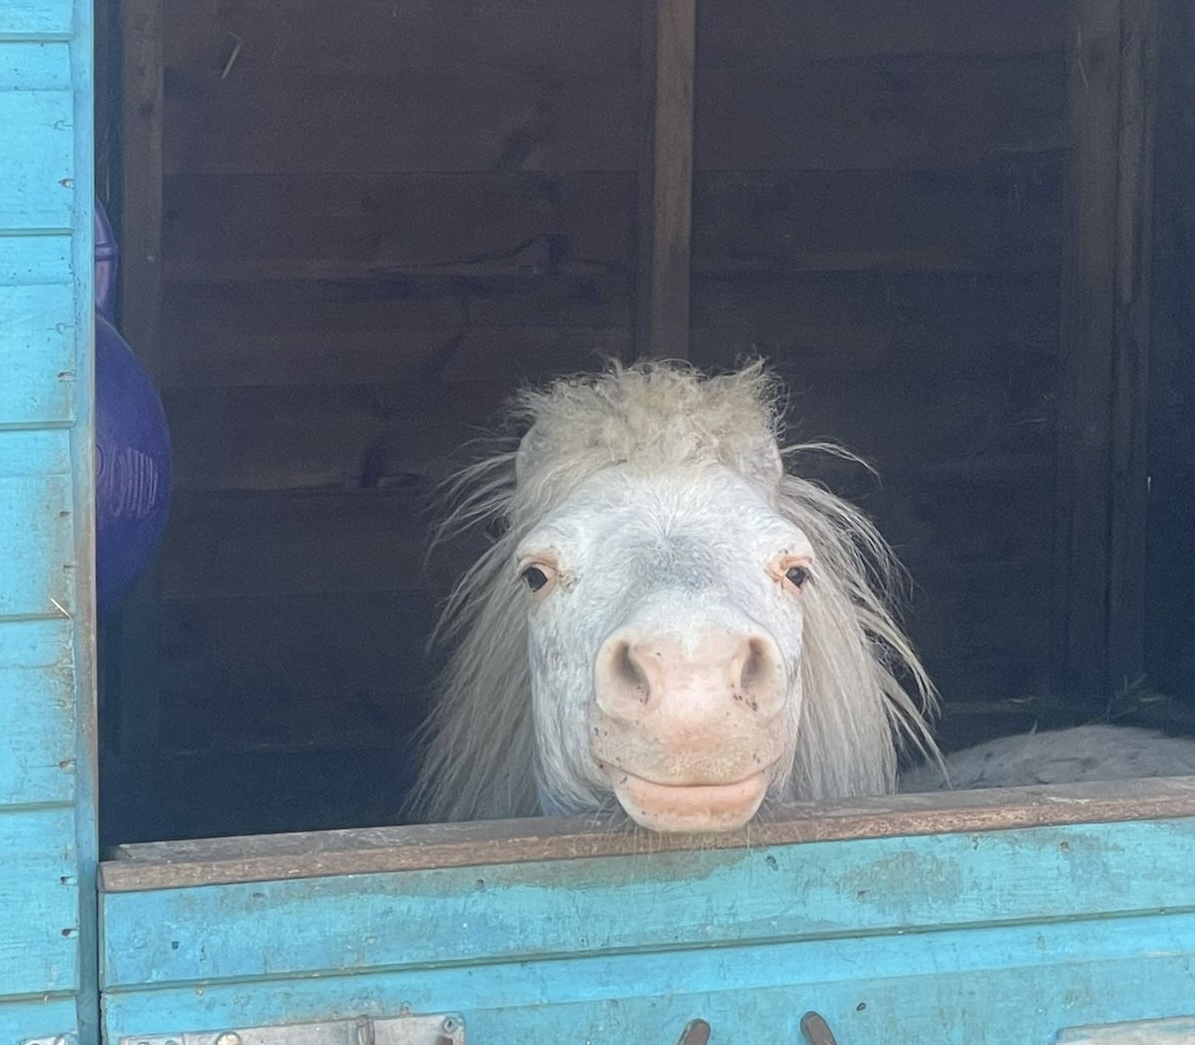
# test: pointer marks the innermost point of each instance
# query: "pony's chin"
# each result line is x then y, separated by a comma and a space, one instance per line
679, 808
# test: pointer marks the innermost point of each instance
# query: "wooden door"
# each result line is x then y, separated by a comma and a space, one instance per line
1026, 916
47, 766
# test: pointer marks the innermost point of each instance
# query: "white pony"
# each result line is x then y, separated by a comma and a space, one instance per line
670, 620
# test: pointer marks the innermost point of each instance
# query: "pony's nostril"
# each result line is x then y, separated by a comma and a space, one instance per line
627, 671
757, 682
755, 666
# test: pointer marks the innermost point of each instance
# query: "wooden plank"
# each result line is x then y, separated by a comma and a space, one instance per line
316, 120
347, 438
324, 225
376, 37
933, 323
34, 452
1179, 1031
39, 383
36, 181
170, 865
38, 581
29, 261
37, 744
36, 19
1003, 985
511, 355
39, 949
1129, 468
41, 1018
914, 112
778, 33
388, 328
1170, 562
42, 68
141, 209
1098, 642
286, 543
875, 886
667, 245
1003, 214
908, 112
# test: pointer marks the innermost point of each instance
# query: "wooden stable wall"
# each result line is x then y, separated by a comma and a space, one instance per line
373, 220
352, 229
878, 208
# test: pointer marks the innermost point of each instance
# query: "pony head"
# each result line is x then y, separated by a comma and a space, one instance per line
668, 618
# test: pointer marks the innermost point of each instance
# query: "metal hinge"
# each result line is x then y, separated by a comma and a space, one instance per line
439, 1029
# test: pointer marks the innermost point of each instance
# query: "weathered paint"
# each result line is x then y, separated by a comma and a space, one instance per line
47, 823
1006, 936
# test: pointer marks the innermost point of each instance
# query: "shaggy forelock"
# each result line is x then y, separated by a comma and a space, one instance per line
656, 417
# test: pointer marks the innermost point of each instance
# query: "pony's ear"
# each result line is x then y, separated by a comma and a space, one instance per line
533, 448
762, 464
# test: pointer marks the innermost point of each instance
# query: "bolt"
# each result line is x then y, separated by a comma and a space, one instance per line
450, 1025
229, 1037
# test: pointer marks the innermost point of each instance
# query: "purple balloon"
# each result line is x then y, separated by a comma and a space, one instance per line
133, 467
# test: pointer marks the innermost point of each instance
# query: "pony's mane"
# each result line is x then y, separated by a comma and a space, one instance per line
656, 416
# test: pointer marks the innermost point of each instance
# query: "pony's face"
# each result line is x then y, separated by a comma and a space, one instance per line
665, 641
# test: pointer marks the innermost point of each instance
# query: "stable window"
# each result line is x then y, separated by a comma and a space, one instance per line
350, 231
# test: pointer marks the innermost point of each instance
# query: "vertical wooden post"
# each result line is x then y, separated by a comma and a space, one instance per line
666, 183
1098, 633
141, 179
131, 673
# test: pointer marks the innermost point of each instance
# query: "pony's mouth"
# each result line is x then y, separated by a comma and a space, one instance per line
673, 808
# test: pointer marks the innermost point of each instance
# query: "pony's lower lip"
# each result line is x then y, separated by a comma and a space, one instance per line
689, 807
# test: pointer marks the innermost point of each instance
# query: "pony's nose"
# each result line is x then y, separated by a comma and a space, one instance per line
704, 678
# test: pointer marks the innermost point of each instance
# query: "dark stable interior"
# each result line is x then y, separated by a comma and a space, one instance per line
371, 221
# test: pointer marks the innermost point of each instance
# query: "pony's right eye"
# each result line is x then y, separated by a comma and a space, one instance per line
535, 578
538, 576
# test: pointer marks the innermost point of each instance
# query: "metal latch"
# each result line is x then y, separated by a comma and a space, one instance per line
438, 1029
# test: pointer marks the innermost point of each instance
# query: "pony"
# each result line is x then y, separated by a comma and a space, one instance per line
668, 619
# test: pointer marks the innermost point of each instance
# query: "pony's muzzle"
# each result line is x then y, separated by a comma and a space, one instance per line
686, 729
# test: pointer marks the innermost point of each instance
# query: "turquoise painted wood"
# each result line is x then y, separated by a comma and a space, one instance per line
998, 937
48, 978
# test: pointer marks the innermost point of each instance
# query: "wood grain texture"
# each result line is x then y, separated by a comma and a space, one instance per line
37, 19
37, 745
908, 112
39, 943
671, 182
142, 137
38, 357
375, 36
777, 33
1098, 638
1137, 1032
36, 182
1129, 468
38, 556
293, 543
527, 911
169, 865
1026, 981
39, 1018
309, 226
